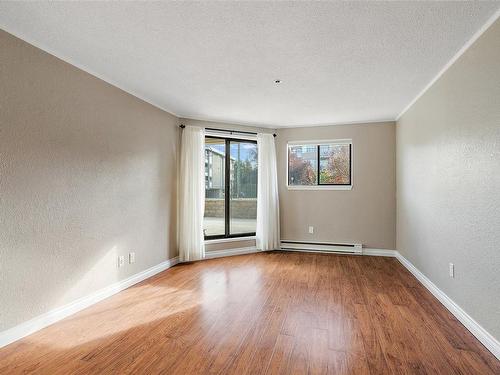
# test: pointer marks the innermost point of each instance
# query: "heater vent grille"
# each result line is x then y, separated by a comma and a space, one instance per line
323, 247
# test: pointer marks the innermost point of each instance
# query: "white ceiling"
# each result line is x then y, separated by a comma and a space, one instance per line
339, 62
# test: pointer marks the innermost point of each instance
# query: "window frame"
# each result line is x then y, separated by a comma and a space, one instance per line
227, 185
318, 185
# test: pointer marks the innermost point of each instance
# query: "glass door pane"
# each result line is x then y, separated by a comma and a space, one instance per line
215, 159
243, 183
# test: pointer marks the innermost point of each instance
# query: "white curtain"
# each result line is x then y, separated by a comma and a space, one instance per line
192, 194
268, 218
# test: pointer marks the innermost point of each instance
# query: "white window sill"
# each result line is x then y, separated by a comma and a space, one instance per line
233, 239
321, 187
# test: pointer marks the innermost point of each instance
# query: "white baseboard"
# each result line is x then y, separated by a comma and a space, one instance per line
490, 342
379, 252
365, 251
44, 320
230, 252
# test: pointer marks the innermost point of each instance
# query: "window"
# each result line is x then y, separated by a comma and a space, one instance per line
320, 165
230, 187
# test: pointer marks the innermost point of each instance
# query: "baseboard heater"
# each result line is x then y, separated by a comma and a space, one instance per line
322, 247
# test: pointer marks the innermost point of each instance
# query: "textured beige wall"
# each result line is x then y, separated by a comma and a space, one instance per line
367, 213
87, 172
230, 245
448, 168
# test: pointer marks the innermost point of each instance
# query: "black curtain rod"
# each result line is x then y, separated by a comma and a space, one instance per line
182, 126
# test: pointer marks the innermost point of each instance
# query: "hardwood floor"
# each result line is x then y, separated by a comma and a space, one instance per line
269, 313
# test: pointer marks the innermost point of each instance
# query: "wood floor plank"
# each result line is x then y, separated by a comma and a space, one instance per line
280, 357
267, 313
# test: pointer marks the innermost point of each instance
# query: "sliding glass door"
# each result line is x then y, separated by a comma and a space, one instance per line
230, 187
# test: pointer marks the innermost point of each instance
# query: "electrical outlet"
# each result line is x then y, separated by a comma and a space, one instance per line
452, 270
131, 257
311, 230
121, 261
